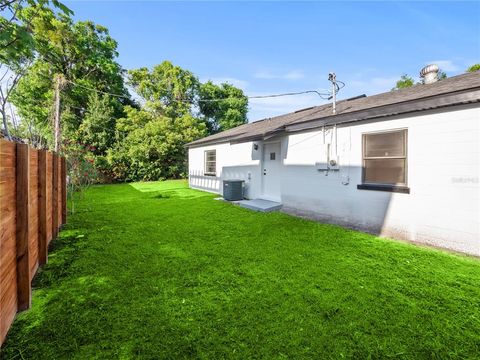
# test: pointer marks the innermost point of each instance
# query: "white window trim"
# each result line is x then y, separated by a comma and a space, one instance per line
206, 162
405, 157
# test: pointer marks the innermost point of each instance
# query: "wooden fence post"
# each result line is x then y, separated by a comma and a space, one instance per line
55, 196
22, 227
42, 208
60, 196
49, 197
64, 191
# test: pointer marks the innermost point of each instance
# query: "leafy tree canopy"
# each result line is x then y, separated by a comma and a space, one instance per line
174, 92
98, 126
169, 89
151, 145
404, 82
16, 39
17, 47
85, 54
125, 140
224, 106
33, 98
473, 68
407, 81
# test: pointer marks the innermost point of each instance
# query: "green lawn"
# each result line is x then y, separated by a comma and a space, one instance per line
156, 270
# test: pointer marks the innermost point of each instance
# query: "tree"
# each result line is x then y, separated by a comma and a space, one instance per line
473, 68
407, 81
175, 92
16, 38
98, 126
176, 109
85, 54
9, 78
404, 82
17, 46
223, 106
169, 89
151, 146
33, 98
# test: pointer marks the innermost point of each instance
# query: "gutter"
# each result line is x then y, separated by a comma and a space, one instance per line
411, 106
199, 142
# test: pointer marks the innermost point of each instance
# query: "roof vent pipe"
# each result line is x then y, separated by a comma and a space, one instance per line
429, 74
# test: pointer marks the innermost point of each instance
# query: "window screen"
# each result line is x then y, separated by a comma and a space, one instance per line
385, 158
210, 162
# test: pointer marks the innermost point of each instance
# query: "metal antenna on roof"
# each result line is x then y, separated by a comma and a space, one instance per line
333, 79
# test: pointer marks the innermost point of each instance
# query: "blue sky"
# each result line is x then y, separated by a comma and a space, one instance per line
276, 47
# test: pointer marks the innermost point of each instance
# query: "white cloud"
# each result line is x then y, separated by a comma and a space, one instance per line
290, 75
445, 65
242, 84
294, 75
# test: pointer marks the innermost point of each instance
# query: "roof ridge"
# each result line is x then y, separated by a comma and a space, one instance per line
462, 83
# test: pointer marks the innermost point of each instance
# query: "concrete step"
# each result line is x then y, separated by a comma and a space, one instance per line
260, 205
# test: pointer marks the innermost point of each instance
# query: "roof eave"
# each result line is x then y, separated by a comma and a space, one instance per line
469, 95
205, 141
444, 100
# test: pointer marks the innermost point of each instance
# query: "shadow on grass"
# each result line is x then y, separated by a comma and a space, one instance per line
66, 301
62, 254
177, 194
159, 196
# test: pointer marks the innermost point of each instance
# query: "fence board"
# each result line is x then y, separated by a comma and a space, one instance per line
49, 196
55, 196
23, 227
33, 213
32, 195
8, 250
42, 208
64, 191
59, 195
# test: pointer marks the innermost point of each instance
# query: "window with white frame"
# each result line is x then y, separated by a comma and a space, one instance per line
210, 162
385, 158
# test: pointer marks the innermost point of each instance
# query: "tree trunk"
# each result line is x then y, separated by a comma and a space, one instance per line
5, 125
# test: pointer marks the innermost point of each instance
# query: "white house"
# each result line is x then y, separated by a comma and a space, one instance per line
402, 164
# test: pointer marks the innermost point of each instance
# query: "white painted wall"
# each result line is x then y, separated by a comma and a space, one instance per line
237, 161
442, 209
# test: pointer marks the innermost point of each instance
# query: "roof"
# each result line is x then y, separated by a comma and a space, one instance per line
460, 89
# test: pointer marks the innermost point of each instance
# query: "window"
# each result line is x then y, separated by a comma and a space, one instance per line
385, 159
210, 162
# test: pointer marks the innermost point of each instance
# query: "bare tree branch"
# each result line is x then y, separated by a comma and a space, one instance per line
6, 89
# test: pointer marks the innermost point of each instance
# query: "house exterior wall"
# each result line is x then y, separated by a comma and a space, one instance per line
442, 208
237, 161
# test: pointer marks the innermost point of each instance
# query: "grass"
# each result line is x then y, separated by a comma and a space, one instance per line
156, 270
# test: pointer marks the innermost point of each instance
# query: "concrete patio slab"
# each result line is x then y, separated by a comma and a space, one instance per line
260, 205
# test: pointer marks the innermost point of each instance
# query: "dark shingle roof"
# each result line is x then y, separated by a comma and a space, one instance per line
456, 90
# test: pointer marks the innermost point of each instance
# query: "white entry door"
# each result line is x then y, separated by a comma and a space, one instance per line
271, 172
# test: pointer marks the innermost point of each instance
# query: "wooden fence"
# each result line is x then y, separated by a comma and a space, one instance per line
32, 209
